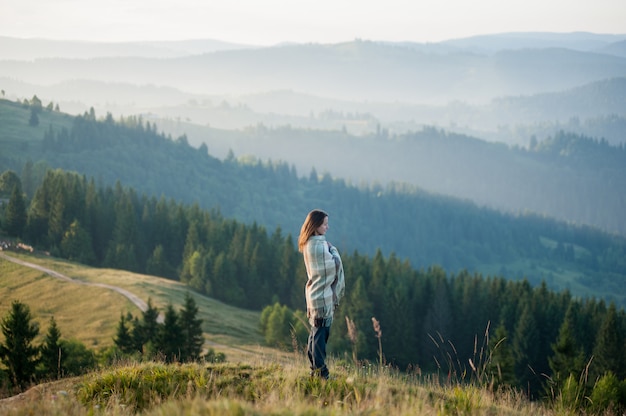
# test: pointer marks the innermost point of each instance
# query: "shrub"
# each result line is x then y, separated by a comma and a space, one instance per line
606, 393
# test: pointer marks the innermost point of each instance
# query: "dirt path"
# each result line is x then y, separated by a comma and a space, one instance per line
141, 304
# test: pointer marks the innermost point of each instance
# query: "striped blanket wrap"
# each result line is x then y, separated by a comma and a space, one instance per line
325, 286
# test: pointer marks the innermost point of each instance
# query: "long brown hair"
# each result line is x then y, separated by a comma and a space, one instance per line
312, 222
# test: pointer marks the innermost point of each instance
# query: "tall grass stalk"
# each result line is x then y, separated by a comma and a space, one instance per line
379, 335
353, 336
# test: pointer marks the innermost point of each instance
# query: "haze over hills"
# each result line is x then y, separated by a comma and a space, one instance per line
504, 87
358, 71
361, 98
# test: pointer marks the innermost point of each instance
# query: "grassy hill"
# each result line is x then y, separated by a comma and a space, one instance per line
255, 380
90, 314
261, 389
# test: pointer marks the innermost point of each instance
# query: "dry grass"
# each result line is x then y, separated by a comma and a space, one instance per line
84, 313
260, 389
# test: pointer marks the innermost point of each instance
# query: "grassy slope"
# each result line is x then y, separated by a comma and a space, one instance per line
267, 389
91, 314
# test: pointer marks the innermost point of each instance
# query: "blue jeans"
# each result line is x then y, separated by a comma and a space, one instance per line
316, 350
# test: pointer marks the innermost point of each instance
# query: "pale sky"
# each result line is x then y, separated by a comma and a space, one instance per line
267, 22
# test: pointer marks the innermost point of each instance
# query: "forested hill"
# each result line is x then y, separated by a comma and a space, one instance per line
412, 224
566, 176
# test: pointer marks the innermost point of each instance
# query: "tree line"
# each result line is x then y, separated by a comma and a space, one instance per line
172, 337
430, 319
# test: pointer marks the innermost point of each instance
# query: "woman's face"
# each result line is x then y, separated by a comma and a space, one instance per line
321, 230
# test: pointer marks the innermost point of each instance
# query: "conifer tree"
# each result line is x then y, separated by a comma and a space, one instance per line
608, 351
136, 334
568, 358
52, 355
76, 244
124, 248
225, 285
8, 181
501, 365
149, 323
359, 310
192, 338
169, 336
526, 341
16, 217
56, 216
158, 265
123, 338
438, 326
17, 352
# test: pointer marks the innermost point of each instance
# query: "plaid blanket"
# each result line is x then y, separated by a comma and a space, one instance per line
325, 286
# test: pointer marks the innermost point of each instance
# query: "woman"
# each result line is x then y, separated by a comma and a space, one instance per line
324, 288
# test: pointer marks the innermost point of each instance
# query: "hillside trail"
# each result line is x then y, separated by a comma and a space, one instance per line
136, 300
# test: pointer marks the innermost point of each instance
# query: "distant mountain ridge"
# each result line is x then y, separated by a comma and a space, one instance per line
505, 87
358, 70
12, 48
581, 41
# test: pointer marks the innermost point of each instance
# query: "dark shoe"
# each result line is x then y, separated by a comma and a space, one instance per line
321, 373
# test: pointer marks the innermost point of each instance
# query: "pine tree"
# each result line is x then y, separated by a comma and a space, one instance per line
568, 358
52, 355
192, 338
438, 327
608, 351
158, 265
169, 336
8, 181
123, 250
15, 217
123, 338
76, 244
501, 365
525, 344
149, 326
358, 308
17, 352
